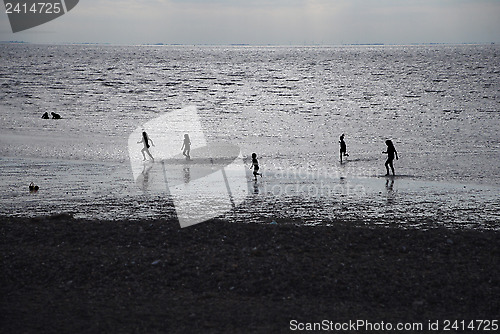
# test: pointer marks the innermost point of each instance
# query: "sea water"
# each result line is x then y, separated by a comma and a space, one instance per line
439, 104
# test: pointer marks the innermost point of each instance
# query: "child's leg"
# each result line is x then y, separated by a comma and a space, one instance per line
149, 153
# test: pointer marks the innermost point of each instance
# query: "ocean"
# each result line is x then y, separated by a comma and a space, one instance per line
439, 104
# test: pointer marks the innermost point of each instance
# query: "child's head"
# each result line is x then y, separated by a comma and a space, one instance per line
186, 136
388, 142
254, 155
342, 137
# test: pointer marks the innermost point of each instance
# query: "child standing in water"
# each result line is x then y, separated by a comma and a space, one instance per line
255, 166
343, 148
145, 140
186, 147
391, 151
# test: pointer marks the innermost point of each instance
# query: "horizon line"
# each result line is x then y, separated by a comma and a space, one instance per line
249, 44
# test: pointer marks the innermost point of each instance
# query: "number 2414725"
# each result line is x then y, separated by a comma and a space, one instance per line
33, 8
478, 325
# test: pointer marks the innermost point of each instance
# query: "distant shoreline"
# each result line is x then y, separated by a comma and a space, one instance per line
251, 45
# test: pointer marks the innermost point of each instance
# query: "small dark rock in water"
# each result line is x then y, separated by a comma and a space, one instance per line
33, 188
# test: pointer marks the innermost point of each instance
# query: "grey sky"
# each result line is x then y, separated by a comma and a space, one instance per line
269, 22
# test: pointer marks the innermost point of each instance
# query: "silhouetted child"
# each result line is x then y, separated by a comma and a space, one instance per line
255, 166
186, 147
343, 148
45, 115
55, 116
145, 140
391, 152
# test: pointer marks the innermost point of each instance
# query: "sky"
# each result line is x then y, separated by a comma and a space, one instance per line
264, 22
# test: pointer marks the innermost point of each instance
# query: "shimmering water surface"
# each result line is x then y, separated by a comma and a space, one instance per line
440, 104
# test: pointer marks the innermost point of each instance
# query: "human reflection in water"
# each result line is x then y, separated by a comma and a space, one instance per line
144, 177
187, 174
389, 186
255, 188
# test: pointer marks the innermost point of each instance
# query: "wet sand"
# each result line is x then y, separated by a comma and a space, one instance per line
63, 275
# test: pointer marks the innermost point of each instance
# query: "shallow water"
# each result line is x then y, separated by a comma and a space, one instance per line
107, 191
439, 104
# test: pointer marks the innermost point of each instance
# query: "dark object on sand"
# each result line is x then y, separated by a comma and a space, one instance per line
45, 115
55, 116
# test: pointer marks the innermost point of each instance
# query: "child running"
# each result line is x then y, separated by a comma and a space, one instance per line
255, 166
145, 140
391, 151
343, 148
186, 147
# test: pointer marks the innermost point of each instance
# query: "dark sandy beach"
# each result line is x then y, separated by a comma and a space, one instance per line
63, 275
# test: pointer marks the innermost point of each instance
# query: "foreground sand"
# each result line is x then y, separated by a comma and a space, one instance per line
63, 275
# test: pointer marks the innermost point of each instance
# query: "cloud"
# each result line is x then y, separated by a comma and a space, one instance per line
273, 22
